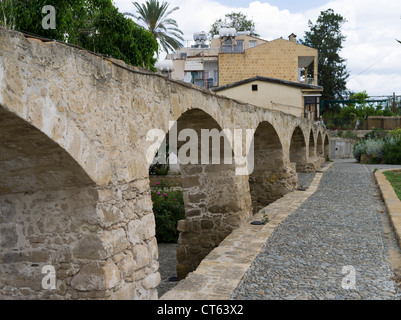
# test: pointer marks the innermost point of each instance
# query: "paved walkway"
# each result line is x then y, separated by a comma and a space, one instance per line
334, 246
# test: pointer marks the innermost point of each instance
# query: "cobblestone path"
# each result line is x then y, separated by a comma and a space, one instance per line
334, 246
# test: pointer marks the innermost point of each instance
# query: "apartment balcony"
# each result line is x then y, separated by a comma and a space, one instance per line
305, 64
232, 49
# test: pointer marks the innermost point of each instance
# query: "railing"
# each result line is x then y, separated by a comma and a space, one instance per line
232, 49
308, 81
205, 83
369, 123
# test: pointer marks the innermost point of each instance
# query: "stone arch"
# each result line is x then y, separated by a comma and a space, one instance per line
214, 196
272, 177
326, 147
319, 145
298, 149
45, 200
312, 145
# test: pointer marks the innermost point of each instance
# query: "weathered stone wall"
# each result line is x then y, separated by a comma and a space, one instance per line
75, 189
341, 148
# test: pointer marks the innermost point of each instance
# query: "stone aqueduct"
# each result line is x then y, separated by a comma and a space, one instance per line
74, 187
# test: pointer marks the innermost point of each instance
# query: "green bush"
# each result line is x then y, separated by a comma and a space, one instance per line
359, 149
331, 126
168, 208
375, 149
376, 133
396, 133
380, 146
351, 135
392, 151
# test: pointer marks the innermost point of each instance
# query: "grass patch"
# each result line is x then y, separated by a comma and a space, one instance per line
395, 179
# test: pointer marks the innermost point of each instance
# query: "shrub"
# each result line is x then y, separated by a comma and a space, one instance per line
331, 126
375, 149
376, 133
168, 208
359, 149
396, 134
351, 135
392, 150
340, 133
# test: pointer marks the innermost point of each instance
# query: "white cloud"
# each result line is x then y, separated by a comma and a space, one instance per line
373, 56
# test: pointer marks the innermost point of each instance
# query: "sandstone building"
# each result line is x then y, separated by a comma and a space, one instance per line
269, 74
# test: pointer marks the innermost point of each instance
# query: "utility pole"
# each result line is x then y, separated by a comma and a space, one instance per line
394, 105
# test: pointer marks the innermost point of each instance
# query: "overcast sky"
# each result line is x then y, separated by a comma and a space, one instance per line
373, 55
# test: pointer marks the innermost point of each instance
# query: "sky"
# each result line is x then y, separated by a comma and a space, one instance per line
373, 55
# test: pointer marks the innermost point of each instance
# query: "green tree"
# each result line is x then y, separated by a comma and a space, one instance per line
7, 18
95, 25
236, 20
108, 31
155, 16
362, 108
26, 15
326, 37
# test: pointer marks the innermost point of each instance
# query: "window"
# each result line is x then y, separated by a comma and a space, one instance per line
311, 107
216, 78
197, 74
227, 41
239, 47
252, 43
254, 87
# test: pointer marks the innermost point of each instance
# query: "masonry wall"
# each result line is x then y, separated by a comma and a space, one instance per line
75, 190
276, 59
341, 148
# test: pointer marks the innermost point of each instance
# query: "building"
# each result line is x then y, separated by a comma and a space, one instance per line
278, 59
270, 74
234, 56
298, 99
197, 64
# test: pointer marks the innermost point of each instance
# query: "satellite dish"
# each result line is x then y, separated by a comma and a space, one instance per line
188, 78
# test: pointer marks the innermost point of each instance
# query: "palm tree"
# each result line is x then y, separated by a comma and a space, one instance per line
155, 16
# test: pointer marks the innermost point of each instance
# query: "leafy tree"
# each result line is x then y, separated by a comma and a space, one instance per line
26, 15
362, 109
236, 20
7, 18
326, 37
155, 16
95, 25
111, 33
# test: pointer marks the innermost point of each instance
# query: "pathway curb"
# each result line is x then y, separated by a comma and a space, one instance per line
219, 274
393, 204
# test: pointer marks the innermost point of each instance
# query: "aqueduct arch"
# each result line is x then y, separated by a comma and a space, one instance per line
86, 179
319, 145
298, 149
45, 200
326, 147
312, 145
271, 177
216, 199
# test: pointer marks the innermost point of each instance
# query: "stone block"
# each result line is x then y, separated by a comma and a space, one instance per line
141, 256
151, 281
94, 276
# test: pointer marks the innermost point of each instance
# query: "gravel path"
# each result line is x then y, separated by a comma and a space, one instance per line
334, 246
167, 266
